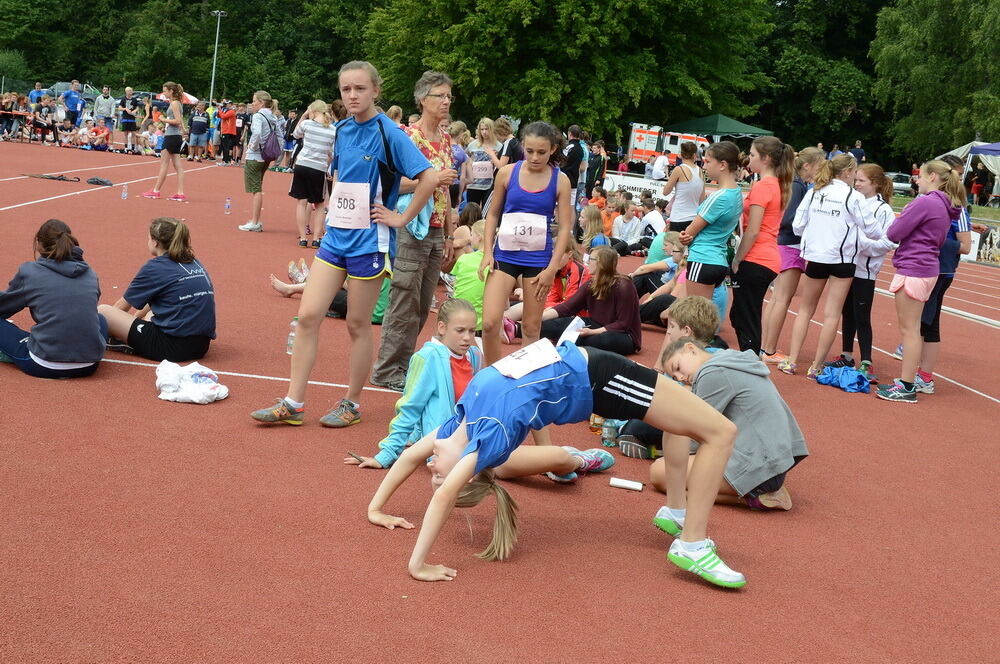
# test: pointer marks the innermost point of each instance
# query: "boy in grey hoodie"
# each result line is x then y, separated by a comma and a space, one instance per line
768, 443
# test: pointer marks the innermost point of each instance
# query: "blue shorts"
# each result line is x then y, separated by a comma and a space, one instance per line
197, 140
289, 146
365, 266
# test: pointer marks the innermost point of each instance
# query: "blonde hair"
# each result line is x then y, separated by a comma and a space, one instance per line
176, 90
450, 306
459, 133
593, 224
479, 228
365, 66
951, 182
319, 107
505, 522
174, 237
264, 98
808, 155
503, 127
603, 279
395, 113
676, 346
833, 168
697, 313
490, 129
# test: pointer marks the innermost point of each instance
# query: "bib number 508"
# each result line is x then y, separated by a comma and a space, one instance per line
345, 203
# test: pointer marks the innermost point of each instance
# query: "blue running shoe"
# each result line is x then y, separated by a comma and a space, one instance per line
594, 460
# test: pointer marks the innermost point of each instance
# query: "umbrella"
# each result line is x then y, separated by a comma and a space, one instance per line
185, 98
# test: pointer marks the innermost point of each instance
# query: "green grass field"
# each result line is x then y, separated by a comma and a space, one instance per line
978, 211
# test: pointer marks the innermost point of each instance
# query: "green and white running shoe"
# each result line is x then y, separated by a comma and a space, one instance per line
706, 563
667, 522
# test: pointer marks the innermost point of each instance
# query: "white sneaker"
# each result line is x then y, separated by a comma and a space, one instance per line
707, 564
252, 227
665, 521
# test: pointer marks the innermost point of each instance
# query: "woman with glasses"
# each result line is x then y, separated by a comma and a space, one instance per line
419, 258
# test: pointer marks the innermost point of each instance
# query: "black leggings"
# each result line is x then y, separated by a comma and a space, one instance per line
477, 196
613, 341
647, 283
749, 286
620, 246
652, 311
930, 318
857, 317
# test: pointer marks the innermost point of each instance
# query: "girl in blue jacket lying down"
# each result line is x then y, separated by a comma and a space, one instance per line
436, 379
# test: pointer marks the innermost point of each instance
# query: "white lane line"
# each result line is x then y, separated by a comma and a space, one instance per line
87, 191
81, 170
257, 376
936, 375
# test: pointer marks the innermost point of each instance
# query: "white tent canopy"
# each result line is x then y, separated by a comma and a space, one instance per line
992, 164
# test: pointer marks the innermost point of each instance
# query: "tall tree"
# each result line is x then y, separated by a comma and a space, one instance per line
592, 62
938, 73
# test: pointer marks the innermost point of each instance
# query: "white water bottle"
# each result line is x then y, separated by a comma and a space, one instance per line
228, 207
291, 335
124, 191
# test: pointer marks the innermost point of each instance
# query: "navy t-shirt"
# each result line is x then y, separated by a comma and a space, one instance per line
199, 122
180, 295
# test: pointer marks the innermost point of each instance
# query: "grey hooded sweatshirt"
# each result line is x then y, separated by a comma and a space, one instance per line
62, 297
768, 438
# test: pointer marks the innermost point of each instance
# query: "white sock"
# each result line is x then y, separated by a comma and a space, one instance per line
677, 515
691, 547
295, 404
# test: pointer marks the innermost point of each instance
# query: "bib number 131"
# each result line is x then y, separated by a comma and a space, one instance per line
523, 231
349, 206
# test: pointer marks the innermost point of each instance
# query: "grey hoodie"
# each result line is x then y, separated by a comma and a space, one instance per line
62, 297
768, 438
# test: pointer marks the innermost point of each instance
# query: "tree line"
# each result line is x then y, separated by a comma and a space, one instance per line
908, 77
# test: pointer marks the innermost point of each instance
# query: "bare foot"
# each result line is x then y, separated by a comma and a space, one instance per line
285, 290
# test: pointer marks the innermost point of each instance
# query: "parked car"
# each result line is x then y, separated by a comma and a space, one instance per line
902, 184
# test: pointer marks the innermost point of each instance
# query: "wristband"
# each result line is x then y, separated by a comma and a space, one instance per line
449, 237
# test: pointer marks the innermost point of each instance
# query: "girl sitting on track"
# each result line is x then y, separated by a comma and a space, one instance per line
872, 183
708, 233
518, 242
436, 378
174, 297
593, 229
61, 292
829, 220
768, 444
556, 386
173, 138
360, 241
611, 305
920, 230
807, 163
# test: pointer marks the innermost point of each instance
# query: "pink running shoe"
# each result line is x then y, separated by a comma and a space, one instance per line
509, 331
152, 193
179, 198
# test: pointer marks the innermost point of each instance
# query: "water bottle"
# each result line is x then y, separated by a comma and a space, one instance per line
291, 335
609, 432
124, 192
228, 208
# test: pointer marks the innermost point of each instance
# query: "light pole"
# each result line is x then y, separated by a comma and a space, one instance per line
218, 14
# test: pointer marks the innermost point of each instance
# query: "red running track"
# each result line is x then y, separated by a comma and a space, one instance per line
139, 530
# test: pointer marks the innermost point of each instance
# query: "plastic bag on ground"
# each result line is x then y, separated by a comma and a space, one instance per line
846, 378
194, 383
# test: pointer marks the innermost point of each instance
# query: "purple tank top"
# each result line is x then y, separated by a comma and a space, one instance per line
519, 200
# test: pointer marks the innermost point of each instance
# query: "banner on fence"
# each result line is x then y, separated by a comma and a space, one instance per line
634, 183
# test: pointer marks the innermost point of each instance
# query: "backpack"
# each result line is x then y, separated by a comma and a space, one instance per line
270, 148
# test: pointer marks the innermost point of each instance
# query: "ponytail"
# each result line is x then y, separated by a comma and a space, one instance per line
55, 241
781, 156
951, 182
883, 185
808, 155
174, 237
833, 168
505, 523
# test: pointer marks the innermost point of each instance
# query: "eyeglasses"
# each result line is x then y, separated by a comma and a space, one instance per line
442, 97
676, 251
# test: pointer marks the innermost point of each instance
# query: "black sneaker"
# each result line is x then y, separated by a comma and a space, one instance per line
119, 346
839, 361
395, 386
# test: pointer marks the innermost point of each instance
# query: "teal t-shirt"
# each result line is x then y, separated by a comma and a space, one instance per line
656, 254
468, 286
721, 211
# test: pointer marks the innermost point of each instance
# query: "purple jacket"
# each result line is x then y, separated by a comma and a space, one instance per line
920, 230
